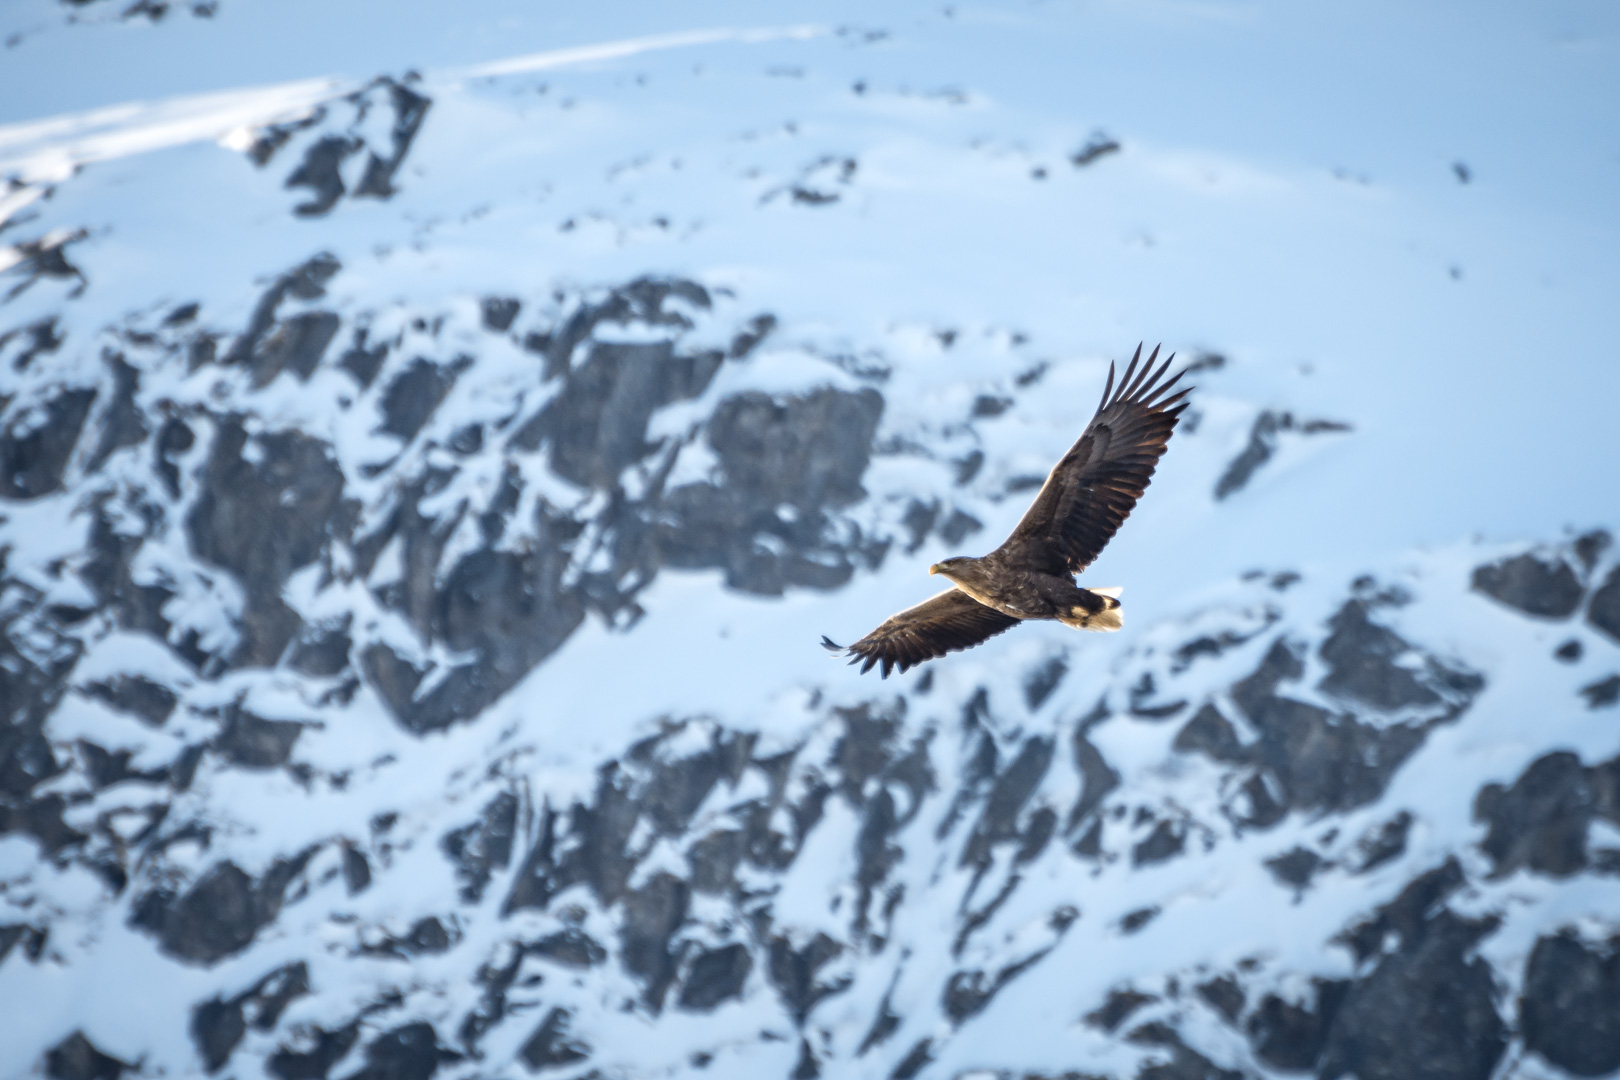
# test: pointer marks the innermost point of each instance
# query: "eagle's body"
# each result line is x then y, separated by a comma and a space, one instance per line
1024, 594
1077, 511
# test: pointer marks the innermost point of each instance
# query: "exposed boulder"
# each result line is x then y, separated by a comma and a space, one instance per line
1603, 693
498, 312
254, 742
1604, 610
220, 914
806, 453
326, 1049
35, 660
716, 975
323, 165
550, 1047
121, 422
1569, 1005
410, 400
1540, 822
481, 848
307, 281
322, 649
1184, 1062
795, 972
76, 1058
219, 1024
1287, 1035
1320, 759
297, 345
571, 947
37, 442
408, 1052
151, 702
652, 914
1427, 1010
1543, 585
263, 515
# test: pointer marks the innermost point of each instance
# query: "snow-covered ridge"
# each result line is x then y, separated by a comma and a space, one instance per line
421, 493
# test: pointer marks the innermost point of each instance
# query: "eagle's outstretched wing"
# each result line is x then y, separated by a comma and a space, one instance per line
945, 623
1092, 490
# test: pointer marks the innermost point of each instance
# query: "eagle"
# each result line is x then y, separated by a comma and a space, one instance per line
1086, 497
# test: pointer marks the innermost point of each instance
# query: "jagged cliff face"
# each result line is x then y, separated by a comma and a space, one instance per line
411, 566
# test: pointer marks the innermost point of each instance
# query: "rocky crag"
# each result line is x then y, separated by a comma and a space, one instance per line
330, 605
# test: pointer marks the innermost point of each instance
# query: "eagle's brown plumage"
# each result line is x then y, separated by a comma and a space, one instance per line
1086, 497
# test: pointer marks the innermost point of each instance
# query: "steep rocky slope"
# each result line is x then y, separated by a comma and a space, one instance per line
408, 664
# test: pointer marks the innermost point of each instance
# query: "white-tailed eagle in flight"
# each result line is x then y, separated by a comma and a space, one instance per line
1086, 497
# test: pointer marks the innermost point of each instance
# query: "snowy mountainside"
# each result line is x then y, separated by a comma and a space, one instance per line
421, 494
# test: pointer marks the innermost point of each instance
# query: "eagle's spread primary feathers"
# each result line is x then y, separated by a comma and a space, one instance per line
1031, 575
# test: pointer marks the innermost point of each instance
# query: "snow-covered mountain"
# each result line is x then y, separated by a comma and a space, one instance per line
432, 444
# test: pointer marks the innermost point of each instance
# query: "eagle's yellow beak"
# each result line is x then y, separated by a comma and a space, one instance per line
933, 569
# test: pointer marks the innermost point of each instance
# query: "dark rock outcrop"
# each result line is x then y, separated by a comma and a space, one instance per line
1541, 585
320, 169
1290, 1036
716, 975
550, 1046
1570, 1002
483, 847
220, 914
76, 1058
35, 444
1263, 438
218, 1025
1604, 610
408, 1052
262, 516
1540, 822
150, 701
1321, 759
413, 395
254, 742
1427, 1010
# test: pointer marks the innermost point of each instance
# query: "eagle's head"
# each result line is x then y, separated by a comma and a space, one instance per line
953, 567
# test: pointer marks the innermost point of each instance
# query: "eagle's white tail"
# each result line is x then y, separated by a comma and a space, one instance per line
1106, 621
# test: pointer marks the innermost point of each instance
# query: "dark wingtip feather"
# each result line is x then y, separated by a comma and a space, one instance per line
830, 645
1108, 387
1143, 380
1158, 394
1130, 370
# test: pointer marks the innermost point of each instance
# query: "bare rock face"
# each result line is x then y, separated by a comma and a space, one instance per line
333, 134
299, 609
219, 1025
219, 915
1317, 758
1544, 586
76, 1058
805, 453
35, 445
507, 606
262, 516
1426, 1011
1604, 610
1570, 1000
1540, 822
483, 847
1268, 428
408, 1052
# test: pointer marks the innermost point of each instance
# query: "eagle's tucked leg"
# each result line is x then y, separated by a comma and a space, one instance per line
1099, 610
